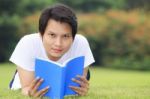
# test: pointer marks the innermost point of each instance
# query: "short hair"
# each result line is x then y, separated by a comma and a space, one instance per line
60, 13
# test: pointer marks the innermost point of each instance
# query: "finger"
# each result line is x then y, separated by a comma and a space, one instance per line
83, 78
36, 86
32, 85
79, 82
78, 90
42, 92
34, 82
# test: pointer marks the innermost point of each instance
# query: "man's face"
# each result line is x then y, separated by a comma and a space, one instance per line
57, 39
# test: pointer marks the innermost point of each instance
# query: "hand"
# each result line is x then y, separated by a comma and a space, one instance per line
33, 92
84, 86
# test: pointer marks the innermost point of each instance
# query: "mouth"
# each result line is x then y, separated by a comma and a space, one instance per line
57, 50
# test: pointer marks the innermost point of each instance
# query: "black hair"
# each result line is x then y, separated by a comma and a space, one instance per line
60, 13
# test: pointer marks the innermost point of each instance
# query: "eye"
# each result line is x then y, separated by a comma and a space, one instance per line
52, 35
67, 36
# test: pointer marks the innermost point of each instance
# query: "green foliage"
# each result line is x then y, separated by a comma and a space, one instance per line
8, 6
11, 16
8, 35
31, 6
118, 39
131, 62
86, 5
140, 4
118, 4
103, 5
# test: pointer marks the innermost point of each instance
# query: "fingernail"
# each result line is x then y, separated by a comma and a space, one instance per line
41, 79
72, 79
70, 87
37, 77
48, 87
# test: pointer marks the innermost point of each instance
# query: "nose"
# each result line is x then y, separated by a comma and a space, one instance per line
58, 42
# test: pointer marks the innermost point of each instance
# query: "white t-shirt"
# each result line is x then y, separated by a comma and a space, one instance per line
31, 47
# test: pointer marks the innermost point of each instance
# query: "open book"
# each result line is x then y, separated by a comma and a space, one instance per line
59, 76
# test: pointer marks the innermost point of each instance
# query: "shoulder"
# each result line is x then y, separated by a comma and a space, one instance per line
28, 42
80, 43
79, 38
26, 51
31, 37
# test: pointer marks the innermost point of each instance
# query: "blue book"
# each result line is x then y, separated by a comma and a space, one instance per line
58, 76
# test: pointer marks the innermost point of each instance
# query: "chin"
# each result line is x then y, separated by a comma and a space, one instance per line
57, 56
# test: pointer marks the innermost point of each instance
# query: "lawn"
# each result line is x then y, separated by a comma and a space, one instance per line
104, 84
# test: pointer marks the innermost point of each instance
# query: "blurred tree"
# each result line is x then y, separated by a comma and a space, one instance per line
31, 6
9, 23
118, 4
8, 6
142, 4
102, 5
11, 14
86, 5
8, 35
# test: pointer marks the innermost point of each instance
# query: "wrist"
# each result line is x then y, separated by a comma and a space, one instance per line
25, 91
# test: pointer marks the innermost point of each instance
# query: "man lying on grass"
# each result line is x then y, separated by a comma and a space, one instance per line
57, 41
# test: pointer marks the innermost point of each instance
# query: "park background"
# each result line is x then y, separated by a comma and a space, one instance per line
118, 32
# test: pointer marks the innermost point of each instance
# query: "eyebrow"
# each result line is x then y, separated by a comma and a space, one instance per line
51, 32
56, 33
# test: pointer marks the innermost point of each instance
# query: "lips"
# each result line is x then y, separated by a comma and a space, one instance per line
57, 50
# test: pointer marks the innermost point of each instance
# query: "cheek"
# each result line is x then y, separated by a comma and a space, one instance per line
68, 45
46, 43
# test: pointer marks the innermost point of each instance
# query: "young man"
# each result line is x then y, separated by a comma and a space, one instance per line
57, 41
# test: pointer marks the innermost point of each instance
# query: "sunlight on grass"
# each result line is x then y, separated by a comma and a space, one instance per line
104, 84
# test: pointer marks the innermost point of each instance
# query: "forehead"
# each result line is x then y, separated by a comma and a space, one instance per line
58, 27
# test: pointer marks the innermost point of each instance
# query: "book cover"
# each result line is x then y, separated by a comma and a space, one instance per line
58, 76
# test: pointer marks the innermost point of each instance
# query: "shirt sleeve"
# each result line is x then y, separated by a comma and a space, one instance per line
23, 54
85, 50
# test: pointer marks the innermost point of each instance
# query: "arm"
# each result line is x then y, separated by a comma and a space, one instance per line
29, 84
83, 82
85, 71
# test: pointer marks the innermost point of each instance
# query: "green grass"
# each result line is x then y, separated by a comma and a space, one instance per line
104, 84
